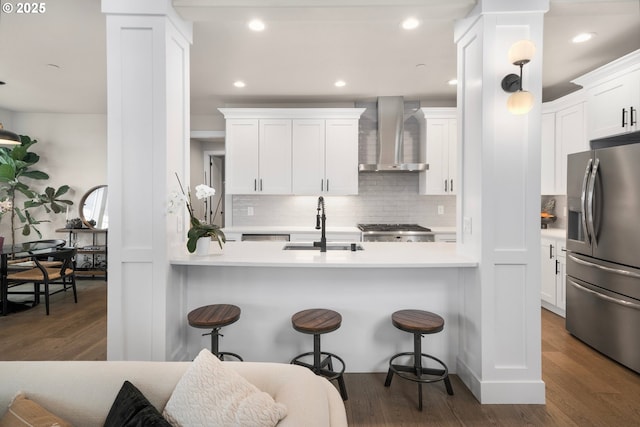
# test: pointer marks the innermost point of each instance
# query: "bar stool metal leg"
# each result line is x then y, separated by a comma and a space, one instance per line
215, 333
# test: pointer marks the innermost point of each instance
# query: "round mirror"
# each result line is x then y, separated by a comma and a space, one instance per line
93, 208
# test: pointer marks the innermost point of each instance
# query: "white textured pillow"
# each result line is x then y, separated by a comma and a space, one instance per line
210, 393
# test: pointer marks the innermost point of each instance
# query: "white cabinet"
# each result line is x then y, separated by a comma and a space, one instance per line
445, 237
291, 150
439, 151
553, 274
325, 156
548, 154
613, 97
613, 106
331, 237
570, 138
258, 156
562, 133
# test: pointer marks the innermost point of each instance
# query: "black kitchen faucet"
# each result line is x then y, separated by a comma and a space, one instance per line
321, 224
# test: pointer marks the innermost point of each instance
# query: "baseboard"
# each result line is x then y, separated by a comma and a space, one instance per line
552, 308
502, 392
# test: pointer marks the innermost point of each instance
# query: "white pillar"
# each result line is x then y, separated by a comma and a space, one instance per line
499, 204
148, 134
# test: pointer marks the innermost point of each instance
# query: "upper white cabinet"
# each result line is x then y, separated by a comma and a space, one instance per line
613, 106
439, 150
562, 133
291, 150
258, 156
548, 173
325, 156
613, 97
570, 138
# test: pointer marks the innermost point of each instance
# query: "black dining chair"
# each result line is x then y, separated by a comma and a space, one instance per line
24, 260
51, 268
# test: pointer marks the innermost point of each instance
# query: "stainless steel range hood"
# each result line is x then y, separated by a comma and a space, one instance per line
390, 154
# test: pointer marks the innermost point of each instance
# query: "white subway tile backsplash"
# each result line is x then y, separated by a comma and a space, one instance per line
384, 197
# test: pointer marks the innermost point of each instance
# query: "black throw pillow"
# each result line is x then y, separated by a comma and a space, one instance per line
132, 409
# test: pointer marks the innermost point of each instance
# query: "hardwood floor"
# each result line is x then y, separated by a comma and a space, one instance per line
583, 387
70, 332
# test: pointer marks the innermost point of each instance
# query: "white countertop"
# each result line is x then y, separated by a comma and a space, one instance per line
374, 255
554, 233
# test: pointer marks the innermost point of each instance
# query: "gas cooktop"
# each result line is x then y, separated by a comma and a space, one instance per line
392, 227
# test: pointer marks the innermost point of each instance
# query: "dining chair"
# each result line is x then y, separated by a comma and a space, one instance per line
25, 261
44, 274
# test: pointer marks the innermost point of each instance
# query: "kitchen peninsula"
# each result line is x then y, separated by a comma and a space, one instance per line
366, 286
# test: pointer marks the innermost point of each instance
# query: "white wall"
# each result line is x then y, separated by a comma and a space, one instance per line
72, 150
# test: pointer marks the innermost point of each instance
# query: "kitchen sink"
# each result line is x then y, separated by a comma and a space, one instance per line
308, 246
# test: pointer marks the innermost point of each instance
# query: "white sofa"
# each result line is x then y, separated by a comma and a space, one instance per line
83, 392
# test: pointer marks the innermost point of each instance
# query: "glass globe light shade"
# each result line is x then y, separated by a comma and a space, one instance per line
520, 102
521, 52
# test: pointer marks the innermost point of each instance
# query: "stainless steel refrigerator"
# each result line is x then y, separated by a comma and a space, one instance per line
603, 247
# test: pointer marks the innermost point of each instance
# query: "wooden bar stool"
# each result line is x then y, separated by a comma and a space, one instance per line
215, 316
418, 323
318, 321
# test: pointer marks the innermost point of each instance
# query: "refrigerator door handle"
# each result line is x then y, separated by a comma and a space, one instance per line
590, 202
583, 201
605, 297
604, 268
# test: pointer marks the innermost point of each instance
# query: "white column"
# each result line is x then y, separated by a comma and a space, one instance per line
148, 134
499, 204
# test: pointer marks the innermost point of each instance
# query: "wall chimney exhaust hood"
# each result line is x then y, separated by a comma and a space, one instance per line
390, 154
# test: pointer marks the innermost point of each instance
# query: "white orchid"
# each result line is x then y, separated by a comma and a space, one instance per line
5, 206
204, 191
198, 228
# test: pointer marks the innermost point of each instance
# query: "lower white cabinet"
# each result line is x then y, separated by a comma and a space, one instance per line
331, 237
553, 274
445, 237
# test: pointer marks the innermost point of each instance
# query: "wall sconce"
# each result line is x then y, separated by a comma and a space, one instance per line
520, 101
8, 139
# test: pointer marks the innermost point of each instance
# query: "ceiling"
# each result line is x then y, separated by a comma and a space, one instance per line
56, 61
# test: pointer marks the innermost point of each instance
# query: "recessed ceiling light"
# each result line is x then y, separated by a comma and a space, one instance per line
583, 37
340, 83
410, 23
256, 25
453, 82
239, 83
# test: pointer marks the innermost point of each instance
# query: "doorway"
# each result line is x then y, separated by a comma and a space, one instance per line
214, 206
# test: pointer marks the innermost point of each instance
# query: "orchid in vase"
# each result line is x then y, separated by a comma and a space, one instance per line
198, 228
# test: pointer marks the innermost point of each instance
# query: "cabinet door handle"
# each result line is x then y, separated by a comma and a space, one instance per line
550, 251
624, 117
255, 185
633, 120
451, 186
557, 262
446, 185
322, 185
327, 185
260, 184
